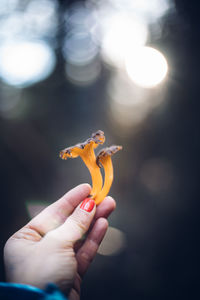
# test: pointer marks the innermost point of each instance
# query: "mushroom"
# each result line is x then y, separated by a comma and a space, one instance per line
86, 151
104, 160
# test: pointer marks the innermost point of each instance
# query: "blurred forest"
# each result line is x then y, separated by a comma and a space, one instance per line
79, 85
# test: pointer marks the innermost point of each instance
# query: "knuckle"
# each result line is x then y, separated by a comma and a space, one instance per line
80, 220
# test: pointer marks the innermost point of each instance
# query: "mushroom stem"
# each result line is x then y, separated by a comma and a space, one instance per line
108, 169
89, 159
104, 160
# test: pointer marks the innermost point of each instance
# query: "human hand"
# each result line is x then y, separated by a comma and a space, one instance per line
49, 248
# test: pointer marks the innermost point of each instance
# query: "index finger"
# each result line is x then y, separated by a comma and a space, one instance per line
56, 214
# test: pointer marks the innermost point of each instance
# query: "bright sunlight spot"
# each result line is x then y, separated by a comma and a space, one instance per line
147, 67
122, 34
23, 63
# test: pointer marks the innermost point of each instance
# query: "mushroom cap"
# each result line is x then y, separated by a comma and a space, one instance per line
76, 150
105, 153
98, 137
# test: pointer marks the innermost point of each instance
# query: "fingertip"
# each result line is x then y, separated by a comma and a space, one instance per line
83, 190
86, 187
111, 201
88, 205
103, 223
105, 208
99, 230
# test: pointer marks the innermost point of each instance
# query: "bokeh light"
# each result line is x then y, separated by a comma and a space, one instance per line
83, 75
157, 175
129, 104
146, 66
122, 34
148, 10
81, 54
8, 6
113, 243
80, 16
79, 49
35, 19
41, 18
23, 63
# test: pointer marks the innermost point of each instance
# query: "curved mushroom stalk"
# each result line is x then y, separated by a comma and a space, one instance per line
104, 160
86, 151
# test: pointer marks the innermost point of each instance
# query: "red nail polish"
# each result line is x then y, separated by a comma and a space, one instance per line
87, 205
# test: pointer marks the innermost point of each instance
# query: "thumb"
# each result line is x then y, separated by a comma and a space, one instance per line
77, 224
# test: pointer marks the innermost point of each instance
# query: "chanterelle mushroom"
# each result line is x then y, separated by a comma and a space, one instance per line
104, 160
86, 151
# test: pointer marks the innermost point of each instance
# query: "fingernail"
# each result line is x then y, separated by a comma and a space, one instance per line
87, 205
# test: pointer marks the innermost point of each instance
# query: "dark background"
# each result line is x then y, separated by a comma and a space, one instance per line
156, 184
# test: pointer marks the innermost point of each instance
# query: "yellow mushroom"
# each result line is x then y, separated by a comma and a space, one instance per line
86, 151
104, 160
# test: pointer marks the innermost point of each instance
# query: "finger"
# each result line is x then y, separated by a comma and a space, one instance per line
87, 252
56, 214
105, 208
76, 225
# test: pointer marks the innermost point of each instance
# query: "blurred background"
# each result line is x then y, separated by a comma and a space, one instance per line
127, 67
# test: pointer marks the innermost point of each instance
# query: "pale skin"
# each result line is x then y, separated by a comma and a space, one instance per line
48, 248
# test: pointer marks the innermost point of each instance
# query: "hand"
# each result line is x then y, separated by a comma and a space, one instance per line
48, 248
